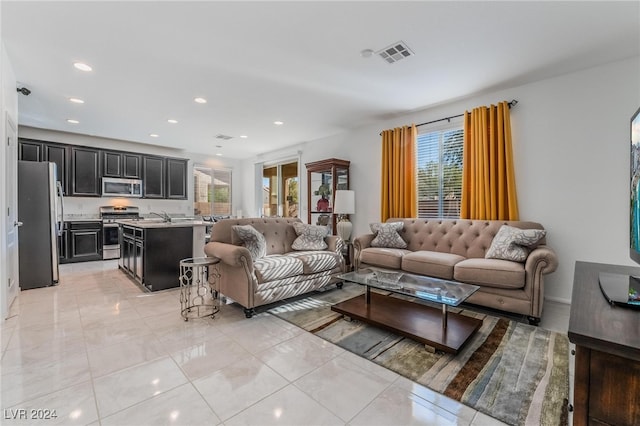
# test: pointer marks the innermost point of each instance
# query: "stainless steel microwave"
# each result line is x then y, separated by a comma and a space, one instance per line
117, 187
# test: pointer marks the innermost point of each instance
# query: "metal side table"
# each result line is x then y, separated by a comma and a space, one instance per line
199, 292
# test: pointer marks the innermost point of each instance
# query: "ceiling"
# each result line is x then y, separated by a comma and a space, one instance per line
297, 62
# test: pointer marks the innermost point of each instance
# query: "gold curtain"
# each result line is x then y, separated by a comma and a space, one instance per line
399, 192
488, 180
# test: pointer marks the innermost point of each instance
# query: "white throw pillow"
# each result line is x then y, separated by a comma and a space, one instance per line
310, 237
386, 235
252, 239
514, 243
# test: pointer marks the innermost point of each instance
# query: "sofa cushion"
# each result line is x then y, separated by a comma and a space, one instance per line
387, 235
383, 257
317, 261
310, 237
432, 263
252, 239
490, 273
513, 243
277, 267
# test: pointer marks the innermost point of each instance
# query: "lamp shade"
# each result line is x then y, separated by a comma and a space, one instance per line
344, 202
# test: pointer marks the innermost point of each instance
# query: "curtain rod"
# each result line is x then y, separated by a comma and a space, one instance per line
511, 104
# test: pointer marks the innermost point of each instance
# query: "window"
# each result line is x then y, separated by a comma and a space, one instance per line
440, 173
280, 189
212, 192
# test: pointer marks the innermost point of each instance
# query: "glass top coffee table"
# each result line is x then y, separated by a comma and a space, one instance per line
436, 328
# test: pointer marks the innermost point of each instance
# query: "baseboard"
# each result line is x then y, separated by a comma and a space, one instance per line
558, 300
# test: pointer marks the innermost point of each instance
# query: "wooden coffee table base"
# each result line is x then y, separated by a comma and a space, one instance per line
413, 320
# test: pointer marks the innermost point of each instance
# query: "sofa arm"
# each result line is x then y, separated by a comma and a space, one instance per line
542, 258
360, 243
334, 243
232, 255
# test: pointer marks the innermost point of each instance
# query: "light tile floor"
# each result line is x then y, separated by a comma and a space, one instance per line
97, 350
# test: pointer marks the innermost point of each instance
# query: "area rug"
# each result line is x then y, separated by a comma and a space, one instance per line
509, 370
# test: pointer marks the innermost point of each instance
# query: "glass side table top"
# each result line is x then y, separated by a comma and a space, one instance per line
437, 290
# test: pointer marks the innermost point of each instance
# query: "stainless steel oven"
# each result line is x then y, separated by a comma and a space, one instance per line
110, 229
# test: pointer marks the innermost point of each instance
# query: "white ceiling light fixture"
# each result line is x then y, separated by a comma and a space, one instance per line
72, 121
278, 123
76, 100
154, 135
200, 100
82, 66
366, 53
172, 121
395, 52
243, 136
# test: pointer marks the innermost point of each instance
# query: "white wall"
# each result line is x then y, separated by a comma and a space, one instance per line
90, 205
8, 108
571, 152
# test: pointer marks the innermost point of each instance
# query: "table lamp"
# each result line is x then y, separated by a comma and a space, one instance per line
344, 204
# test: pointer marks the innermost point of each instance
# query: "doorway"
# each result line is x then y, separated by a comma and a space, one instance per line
280, 190
10, 289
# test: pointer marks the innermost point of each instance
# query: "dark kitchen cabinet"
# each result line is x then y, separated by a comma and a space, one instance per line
112, 163
32, 150
132, 166
121, 165
177, 178
145, 257
85, 241
63, 243
29, 150
153, 177
58, 154
85, 172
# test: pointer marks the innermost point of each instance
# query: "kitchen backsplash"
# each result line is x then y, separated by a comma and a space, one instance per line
89, 206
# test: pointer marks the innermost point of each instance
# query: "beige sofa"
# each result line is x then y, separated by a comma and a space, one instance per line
455, 250
283, 273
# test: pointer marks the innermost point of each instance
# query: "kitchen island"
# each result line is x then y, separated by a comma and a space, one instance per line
152, 249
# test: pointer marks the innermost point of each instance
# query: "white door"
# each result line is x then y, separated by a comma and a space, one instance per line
11, 179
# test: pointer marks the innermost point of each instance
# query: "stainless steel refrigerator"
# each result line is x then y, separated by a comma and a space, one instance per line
40, 214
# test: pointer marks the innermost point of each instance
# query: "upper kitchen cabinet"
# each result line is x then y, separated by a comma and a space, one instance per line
177, 178
85, 172
29, 150
121, 165
153, 177
33, 150
59, 154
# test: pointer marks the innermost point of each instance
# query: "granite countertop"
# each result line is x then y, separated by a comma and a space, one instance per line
159, 223
81, 218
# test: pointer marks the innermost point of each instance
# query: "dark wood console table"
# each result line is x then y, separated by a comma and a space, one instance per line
607, 339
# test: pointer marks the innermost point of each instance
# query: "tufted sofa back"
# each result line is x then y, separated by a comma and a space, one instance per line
464, 237
278, 231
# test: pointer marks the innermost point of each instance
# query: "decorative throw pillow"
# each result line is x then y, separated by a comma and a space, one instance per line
387, 235
310, 237
252, 239
513, 243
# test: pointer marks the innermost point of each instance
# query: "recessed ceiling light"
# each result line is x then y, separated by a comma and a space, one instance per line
172, 121
82, 66
76, 100
366, 53
153, 135
200, 100
219, 155
72, 121
244, 136
278, 123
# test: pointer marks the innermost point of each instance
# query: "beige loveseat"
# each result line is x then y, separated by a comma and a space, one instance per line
282, 273
455, 250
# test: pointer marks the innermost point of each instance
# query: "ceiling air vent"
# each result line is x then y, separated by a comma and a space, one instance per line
224, 137
395, 52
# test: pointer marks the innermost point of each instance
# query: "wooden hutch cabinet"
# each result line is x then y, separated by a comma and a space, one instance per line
323, 179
